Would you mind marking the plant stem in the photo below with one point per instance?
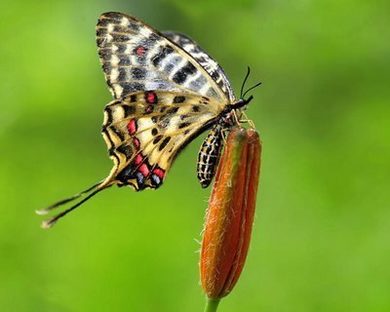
(211, 305)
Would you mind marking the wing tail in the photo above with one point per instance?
(85, 195)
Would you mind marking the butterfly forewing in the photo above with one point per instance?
(205, 60)
(135, 57)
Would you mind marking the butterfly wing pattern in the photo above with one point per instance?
(135, 57)
(166, 91)
(203, 59)
(145, 130)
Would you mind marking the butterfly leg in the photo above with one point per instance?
(246, 119)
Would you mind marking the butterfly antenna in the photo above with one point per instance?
(244, 82)
(251, 88)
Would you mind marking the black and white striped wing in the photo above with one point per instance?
(136, 57)
(205, 60)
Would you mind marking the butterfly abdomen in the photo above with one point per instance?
(209, 155)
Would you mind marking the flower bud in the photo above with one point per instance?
(230, 213)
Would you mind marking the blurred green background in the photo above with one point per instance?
(321, 240)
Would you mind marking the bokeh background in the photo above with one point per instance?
(321, 240)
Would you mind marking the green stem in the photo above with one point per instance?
(211, 305)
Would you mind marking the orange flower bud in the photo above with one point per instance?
(230, 213)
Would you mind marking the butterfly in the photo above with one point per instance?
(166, 91)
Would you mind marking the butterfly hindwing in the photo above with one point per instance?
(145, 130)
(135, 57)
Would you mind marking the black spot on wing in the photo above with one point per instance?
(172, 110)
(108, 114)
(129, 87)
(124, 61)
(118, 133)
(101, 31)
(120, 37)
(184, 125)
(182, 74)
(179, 99)
(129, 110)
(157, 139)
(121, 48)
(164, 143)
(105, 54)
(161, 54)
(125, 150)
(107, 68)
(122, 74)
(138, 73)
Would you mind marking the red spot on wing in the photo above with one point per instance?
(132, 126)
(138, 159)
(159, 172)
(144, 170)
(150, 97)
(136, 143)
(140, 50)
